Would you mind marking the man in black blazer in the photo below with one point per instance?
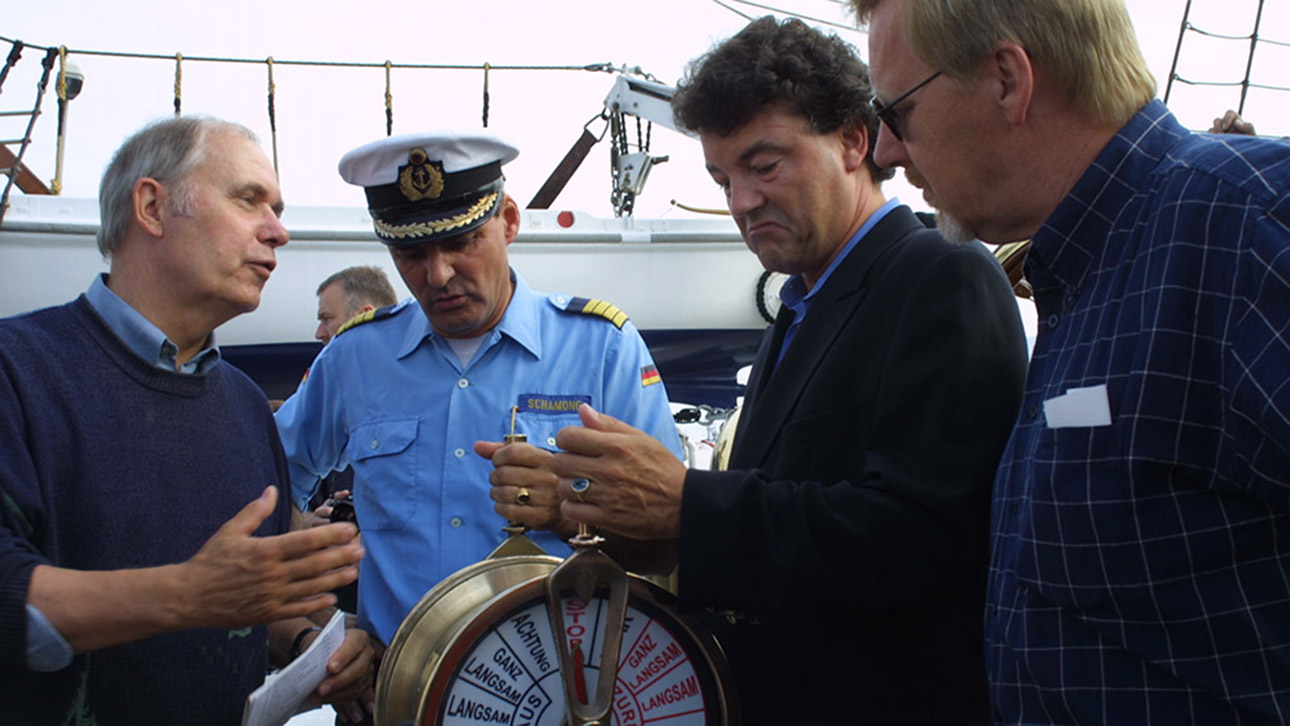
(843, 555)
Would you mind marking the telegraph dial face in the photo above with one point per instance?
(505, 669)
(501, 666)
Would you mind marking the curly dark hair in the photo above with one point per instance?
(785, 63)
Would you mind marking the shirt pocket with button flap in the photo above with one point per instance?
(541, 428)
(384, 456)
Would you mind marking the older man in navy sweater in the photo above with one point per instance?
(142, 551)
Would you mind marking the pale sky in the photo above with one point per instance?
(322, 113)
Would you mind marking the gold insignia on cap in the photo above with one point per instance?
(421, 178)
(425, 229)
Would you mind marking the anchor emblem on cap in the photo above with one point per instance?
(421, 178)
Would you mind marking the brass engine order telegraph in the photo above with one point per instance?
(529, 639)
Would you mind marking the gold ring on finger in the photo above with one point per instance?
(523, 496)
(580, 487)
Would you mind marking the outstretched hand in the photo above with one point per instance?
(238, 579)
(635, 482)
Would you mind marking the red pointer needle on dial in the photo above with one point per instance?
(579, 677)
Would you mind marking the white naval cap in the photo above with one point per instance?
(429, 186)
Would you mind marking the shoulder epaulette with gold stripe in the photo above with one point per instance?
(605, 310)
(366, 317)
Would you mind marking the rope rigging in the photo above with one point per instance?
(1245, 84)
(389, 103)
(273, 117)
(56, 186)
(178, 59)
(594, 67)
(629, 156)
(179, 79)
(16, 167)
(387, 67)
(788, 13)
(486, 67)
(14, 54)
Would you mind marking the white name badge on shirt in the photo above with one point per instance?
(1078, 408)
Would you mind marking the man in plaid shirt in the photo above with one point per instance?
(1140, 568)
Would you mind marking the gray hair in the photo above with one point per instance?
(166, 151)
(362, 285)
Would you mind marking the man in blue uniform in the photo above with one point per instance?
(404, 396)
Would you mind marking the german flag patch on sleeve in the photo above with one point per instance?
(649, 376)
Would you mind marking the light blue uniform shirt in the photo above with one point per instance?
(390, 398)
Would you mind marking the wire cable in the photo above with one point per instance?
(790, 13)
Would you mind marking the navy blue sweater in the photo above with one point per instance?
(107, 462)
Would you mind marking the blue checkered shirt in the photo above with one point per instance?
(1140, 572)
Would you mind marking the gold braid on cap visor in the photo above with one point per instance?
(439, 226)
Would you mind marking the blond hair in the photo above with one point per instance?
(1088, 46)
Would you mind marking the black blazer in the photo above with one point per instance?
(851, 532)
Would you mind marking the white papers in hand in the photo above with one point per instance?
(284, 692)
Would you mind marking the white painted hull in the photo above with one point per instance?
(680, 274)
(689, 285)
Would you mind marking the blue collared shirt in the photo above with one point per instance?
(392, 399)
(140, 335)
(793, 293)
(1140, 568)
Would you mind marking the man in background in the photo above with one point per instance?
(343, 296)
(142, 551)
(1139, 571)
(349, 293)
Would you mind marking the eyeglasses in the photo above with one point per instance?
(888, 112)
